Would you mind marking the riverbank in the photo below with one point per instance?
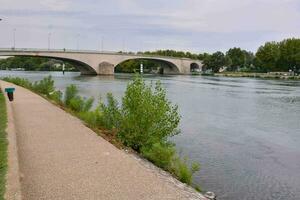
(258, 75)
(3, 145)
(105, 171)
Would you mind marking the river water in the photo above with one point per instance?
(244, 132)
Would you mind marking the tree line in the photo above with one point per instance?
(272, 56)
(34, 64)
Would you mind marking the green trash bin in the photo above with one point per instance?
(10, 93)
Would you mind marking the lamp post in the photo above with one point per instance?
(101, 44)
(77, 42)
(49, 40)
(14, 38)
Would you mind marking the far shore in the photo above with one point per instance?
(272, 75)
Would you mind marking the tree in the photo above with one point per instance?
(147, 116)
(217, 60)
(267, 57)
(237, 58)
(289, 54)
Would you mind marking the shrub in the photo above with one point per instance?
(111, 115)
(76, 102)
(160, 154)
(71, 92)
(45, 86)
(182, 170)
(92, 118)
(147, 116)
(19, 81)
(56, 96)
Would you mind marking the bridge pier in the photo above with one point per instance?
(106, 68)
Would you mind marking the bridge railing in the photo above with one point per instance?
(87, 51)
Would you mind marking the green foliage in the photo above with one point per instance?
(45, 86)
(132, 66)
(3, 145)
(161, 155)
(279, 56)
(75, 102)
(19, 81)
(215, 61)
(71, 93)
(267, 56)
(34, 64)
(111, 114)
(56, 96)
(147, 116)
(237, 57)
(183, 171)
(93, 118)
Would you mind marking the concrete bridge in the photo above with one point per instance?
(95, 62)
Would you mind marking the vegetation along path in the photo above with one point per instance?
(60, 158)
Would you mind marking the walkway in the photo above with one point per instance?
(60, 158)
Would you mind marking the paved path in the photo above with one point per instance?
(60, 158)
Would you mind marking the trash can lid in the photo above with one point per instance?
(9, 89)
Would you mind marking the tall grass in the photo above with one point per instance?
(3, 145)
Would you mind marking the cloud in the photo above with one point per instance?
(197, 25)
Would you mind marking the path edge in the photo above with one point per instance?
(13, 185)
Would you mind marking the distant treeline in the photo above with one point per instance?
(34, 64)
(272, 56)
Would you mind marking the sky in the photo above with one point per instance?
(138, 25)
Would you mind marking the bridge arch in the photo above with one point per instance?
(165, 66)
(194, 67)
(84, 68)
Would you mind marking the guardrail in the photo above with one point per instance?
(88, 51)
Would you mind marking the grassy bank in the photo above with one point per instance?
(3, 145)
(142, 122)
(257, 75)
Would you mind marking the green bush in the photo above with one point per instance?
(75, 102)
(92, 118)
(111, 115)
(147, 116)
(161, 155)
(19, 81)
(182, 170)
(45, 86)
(56, 96)
(71, 92)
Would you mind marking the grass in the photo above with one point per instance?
(3, 145)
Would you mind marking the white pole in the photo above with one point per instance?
(141, 68)
(49, 38)
(14, 38)
(77, 45)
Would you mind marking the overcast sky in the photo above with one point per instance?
(134, 25)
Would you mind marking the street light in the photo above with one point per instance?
(49, 37)
(77, 42)
(14, 38)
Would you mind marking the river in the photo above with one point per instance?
(244, 132)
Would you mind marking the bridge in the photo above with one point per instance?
(103, 63)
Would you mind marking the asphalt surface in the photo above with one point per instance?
(60, 158)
